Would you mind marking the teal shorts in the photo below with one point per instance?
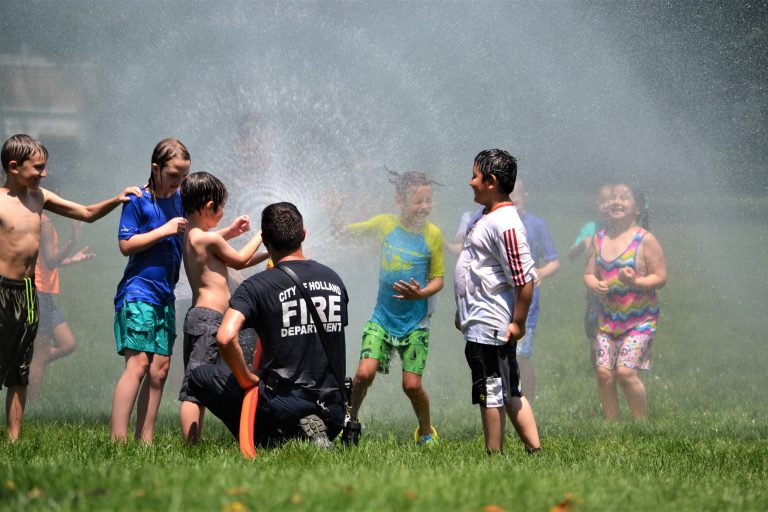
(144, 327)
(413, 348)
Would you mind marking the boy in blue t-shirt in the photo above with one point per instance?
(411, 274)
(545, 257)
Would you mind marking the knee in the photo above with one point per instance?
(412, 387)
(627, 375)
(605, 377)
(364, 377)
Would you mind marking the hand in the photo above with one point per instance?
(83, 254)
(240, 225)
(601, 288)
(251, 381)
(124, 196)
(514, 332)
(537, 279)
(176, 226)
(407, 291)
(627, 275)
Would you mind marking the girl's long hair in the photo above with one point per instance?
(165, 151)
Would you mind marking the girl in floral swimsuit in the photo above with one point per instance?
(625, 268)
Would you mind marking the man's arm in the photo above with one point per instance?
(89, 213)
(230, 351)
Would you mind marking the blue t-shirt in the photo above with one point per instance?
(542, 248)
(404, 255)
(152, 273)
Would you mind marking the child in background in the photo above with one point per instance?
(54, 337)
(411, 274)
(625, 268)
(150, 234)
(581, 247)
(22, 201)
(546, 264)
(206, 258)
(493, 288)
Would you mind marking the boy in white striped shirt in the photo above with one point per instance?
(494, 287)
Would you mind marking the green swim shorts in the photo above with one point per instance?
(145, 327)
(413, 348)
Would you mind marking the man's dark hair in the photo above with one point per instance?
(282, 227)
(198, 189)
(499, 163)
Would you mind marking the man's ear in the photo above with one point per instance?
(304, 235)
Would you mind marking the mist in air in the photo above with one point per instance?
(312, 101)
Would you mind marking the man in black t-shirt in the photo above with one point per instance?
(298, 392)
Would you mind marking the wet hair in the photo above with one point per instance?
(408, 180)
(499, 163)
(198, 189)
(642, 204)
(19, 148)
(282, 227)
(165, 151)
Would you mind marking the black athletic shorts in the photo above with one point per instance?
(495, 377)
(18, 328)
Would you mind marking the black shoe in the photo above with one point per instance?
(350, 436)
(315, 430)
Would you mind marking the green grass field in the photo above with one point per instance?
(704, 446)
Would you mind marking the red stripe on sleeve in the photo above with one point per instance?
(513, 257)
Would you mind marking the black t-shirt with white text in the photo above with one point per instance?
(277, 311)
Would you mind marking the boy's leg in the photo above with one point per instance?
(15, 401)
(65, 342)
(634, 390)
(191, 419)
(150, 394)
(364, 376)
(136, 367)
(375, 354)
(494, 423)
(521, 414)
(414, 357)
(419, 400)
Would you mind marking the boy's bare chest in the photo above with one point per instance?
(19, 217)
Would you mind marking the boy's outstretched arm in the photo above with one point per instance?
(239, 226)
(412, 290)
(237, 259)
(89, 213)
(229, 348)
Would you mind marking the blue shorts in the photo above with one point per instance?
(50, 316)
(144, 327)
(525, 344)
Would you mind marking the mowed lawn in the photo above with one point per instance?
(703, 447)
